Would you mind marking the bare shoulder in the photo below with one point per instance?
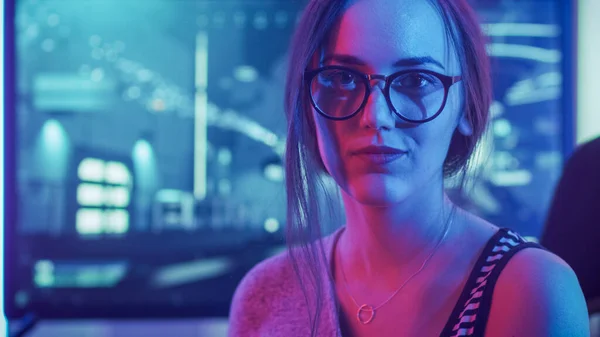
(255, 294)
(537, 294)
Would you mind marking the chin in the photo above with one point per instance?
(378, 190)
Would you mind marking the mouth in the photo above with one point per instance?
(378, 155)
(379, 158)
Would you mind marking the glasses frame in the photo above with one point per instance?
(447, 82)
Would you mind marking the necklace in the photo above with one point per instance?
(366, 312)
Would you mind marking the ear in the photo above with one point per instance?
(464, 126)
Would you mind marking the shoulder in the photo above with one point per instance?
(256, 295)
(270, 301)
(537, 294)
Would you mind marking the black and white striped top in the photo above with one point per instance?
(471, 312)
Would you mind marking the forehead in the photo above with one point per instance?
(379, 32)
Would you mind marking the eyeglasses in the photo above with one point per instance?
(416, 96)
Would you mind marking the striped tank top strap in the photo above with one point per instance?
(471, 312)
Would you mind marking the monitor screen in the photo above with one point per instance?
(148, 141)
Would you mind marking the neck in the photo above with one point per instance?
(395, 239)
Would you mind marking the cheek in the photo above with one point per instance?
(434, 137)
(455, 103)
(447, 122)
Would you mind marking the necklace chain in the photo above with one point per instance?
(369, 309)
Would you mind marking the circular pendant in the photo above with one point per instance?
(365, 314)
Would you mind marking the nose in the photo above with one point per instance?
(377, 114)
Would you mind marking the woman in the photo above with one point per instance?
(388, 98)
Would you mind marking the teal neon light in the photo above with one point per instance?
(3, 327)
(588, 86)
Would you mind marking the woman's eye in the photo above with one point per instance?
(414, 80)
(343, 77)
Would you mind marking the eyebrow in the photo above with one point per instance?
(405, 62)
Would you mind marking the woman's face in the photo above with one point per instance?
(373, 37)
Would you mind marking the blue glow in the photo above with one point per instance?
(52, 151)
(53, 134)
(2, 317)
(142, 152)
(144, 165)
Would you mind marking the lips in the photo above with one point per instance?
(377, 150)
(378, 155)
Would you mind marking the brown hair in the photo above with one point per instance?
(303, 165)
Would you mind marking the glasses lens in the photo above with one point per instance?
(417, 96)
(338, 93)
